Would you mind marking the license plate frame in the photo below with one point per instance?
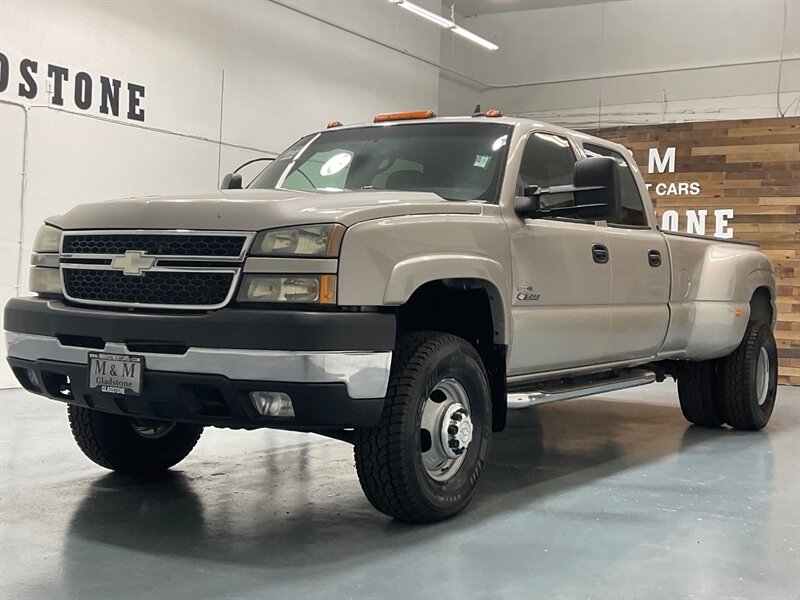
(116, 374)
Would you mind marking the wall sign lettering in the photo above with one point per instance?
(696, 219)
(72, 88)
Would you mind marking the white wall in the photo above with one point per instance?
(669, 39)
(285, 75)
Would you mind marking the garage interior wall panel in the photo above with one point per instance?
(285, 74)
(630, 62)
(750, 167)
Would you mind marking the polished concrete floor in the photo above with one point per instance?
(610, 497)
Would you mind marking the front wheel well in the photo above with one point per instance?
(463, 307)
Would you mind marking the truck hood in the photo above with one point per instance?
(251, 210)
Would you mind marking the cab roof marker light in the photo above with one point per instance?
(404, 116)
(445, 23)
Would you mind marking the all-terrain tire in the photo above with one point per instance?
(388, 457)
(748, 379)
(698, 395)
(112, 442)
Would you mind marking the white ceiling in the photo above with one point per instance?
(470, 8)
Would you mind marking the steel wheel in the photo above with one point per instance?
(762, 376)
(445, 430)
(152, 430)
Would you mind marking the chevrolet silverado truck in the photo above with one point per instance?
(399, 285)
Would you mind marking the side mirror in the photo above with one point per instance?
(598, 194)
(527, 205)
(231, 181)
(595, 188)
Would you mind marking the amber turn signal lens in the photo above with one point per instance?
(404, 116)
(327, 289)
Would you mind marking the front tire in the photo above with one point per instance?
(748, 379)
(422, 462)
(131, 446)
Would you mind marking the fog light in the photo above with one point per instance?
(272, 404)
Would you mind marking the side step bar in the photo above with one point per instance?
(562, 390)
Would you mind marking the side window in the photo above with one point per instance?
(548, 161)
(632, 212)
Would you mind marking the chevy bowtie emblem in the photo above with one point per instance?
(133, 262)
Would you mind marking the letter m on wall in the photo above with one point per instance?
(661, 163)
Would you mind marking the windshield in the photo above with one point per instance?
(457, 161)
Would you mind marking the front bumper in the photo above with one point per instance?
(201, 368)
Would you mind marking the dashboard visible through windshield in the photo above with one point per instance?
(457, 161)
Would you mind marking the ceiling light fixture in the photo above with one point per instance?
(472, 37)
(445, 23)
(424, 13)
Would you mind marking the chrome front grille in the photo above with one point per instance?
(152, 269)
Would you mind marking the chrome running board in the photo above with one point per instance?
(565, 390)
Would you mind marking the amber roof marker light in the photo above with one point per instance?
(404, 116)
(332, 124)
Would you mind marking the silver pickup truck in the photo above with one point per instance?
(397, 285)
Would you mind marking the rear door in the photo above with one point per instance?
(640, 271)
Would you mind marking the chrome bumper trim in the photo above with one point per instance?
(366, 374)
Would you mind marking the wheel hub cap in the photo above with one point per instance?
(456, 431)
(446, 429)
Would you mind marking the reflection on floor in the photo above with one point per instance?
(609, 497)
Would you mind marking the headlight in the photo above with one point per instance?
(44, 280)
(307, 240)
(48, 239)
(45, 277)
(307, 289)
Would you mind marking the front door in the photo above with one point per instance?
(561, 275)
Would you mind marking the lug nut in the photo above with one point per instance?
(452, 430)
(457, 416)
(453, 444)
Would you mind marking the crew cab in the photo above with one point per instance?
(399, 285)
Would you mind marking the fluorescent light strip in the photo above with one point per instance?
(424, 13)
(445, 23)
(466, 33)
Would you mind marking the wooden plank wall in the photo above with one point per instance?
(751, 166)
